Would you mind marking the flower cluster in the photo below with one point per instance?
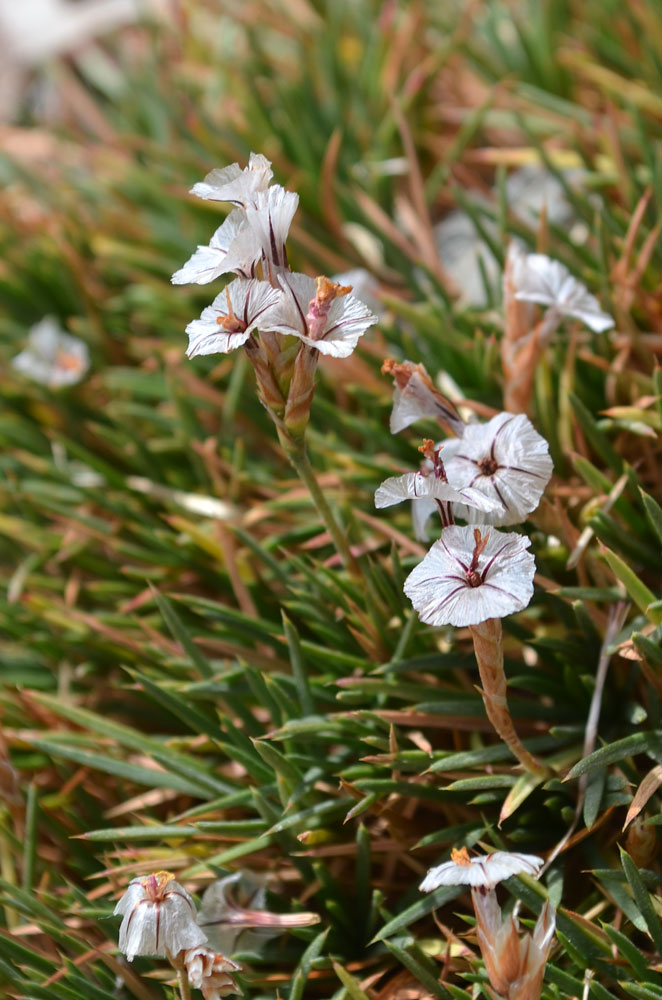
(491, 475)
(267, 301)
(159, 918)
(514, 962)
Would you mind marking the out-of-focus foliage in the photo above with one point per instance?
(198, 693)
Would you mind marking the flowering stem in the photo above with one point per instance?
(488, 646)
(301, 463)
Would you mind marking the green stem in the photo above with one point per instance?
(304, 469)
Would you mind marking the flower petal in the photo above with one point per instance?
(548, 282)
(234, 184)
(440, 590)
(523, 460)
(251, 301)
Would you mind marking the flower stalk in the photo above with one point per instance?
(296, 453)
(488, 646)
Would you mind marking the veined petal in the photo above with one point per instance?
(234, 184)
(347, 319)
(506, 460)
(444, 591)
(548, 282)
(233, 247)
(248, 303)
(269, 214)
(421, 512)
(414, 485)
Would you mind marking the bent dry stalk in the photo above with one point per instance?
(488, 646)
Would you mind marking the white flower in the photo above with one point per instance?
(549, 283)
(484, 870)
(234, 184)
(415, 396)
(52, 357)
(231, 911)
(467, 578)
(211, 972)
(233, 247)
(322, 314)
(269, 215)
(234, 916)
(507, 460)
(425, 484)
(228, 322)
(159, 917)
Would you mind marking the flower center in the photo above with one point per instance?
(460, 857)
(488, 466)
(428, 450)
(474, 577)
(231, 323)
(155, 885)
(326, 292)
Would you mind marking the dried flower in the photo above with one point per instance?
(234, 247)
(485, 870)
(415, 397)
(549, 283)
(234, 184)
(507, 460)
(158, 917)
(231, 318)
(322, 314)
(52, 358)
(211, 972)
(234, 916)
(467, 577)
(514, 962)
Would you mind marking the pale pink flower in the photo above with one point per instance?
(159, 917)
(228, 322)
(467, 577)
(234, 184)
(507, 460)
(540, 279)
